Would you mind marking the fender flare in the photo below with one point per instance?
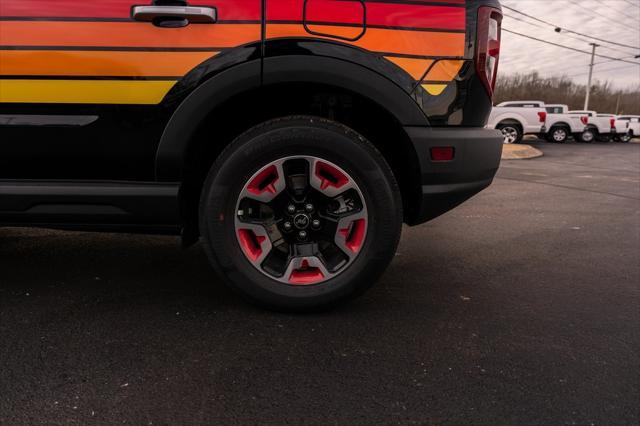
(347, 75)
(510, 117)
(172, 149)
(179, 131)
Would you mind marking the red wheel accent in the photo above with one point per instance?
(354, 235)
(330, 176)
(265, 181)
(251, 243)
(306, 275)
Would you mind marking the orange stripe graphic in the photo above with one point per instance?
(130, 34)
(414, 67)
(86, 63)
(423, 43)
(445, 70)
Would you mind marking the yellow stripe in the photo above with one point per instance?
(434, 89)
(84, 91)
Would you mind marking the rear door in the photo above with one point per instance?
(87, 86)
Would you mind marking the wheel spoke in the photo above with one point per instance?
(254, 241)
(266, 184)
(351, 232)
(306, 270)
(328, 179)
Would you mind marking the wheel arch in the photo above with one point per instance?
(512, 121)
(593, 128)
(230, 103)
(243, 79)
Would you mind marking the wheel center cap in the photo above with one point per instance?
(301, 221)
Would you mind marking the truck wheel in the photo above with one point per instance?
(625, 138)
(300, 213)
(587, 136)
(559, 134)
(510, 132)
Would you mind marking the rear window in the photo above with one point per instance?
(554, 110)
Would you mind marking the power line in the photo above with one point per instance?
(569, 31)
(635, 18)
(604, 62)
(568, 47)
(567, 35)
(631, 3)
(602, 70)
(594, 14)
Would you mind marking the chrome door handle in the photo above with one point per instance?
(193, 14)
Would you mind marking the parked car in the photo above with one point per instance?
(633, 127)
(518, 118)
(292, 140)
(561, 124)
(597, 127)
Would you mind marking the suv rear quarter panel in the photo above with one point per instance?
(429, 43)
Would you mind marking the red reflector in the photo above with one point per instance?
(613, 122)
(442, 153)
(584, 119)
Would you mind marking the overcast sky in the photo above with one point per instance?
(612, 20)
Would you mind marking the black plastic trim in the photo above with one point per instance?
(99, 203)
(445, 185)
(349, 76)
(184, 122)
(46, 120)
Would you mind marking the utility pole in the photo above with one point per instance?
(593, 56)
(618, 102)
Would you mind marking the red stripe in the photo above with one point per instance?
(378, 14)
(227, 9)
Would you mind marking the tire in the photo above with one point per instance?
(512, 133)
(258, 263)
(626, 138)
(558, 134)
(588, 136)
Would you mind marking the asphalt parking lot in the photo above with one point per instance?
(522, 306)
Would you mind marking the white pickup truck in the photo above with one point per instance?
(599, 126)
(518, 118)
(562, 124)
(633, 127)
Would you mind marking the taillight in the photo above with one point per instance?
(612, 122)
(542, 116)
(584, 119)
(488, 46)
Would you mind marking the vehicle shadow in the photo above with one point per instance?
(129, 270)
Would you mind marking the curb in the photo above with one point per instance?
(520, 152)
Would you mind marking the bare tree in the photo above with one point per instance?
(561, 90)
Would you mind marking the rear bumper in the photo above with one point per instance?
(445, 185)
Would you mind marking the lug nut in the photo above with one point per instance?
(315, 223)
(291, 208)
(309, 207)
(302, 235)
(287, 226)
